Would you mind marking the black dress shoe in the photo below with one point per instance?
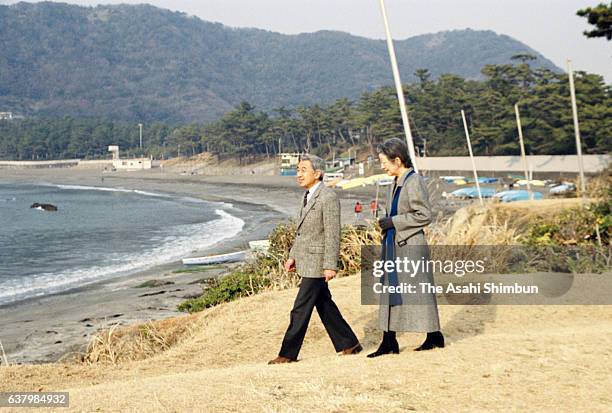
(433, 340)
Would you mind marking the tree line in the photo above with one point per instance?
(434, 111)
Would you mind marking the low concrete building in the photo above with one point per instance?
(133, 164)
(289, 160)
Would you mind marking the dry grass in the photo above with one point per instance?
(136, 342)
(496, 223)
(547, 355)
(281, 240)
(353, 239)
(471, 234)
(490, 232)
(3, 359)
(600, 186)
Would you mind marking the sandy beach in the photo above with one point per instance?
(56, 326)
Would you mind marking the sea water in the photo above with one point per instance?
(98, 233)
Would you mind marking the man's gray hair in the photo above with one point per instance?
(318, 164)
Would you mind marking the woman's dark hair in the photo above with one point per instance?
(395, 148)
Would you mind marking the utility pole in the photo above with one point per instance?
(140, 127)
(576, 128)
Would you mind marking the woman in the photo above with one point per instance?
(408, 212)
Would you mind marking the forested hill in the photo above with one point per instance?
(141, 63)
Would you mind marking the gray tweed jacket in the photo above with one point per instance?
(317, 238)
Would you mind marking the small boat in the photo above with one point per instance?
(520, 195)
(216, 259)
(563, 188)
(260, 245)
(533, 182)
(472, 192)
(483, 180)
(451, 178)
(501, 194)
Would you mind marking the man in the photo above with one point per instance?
(314, 255)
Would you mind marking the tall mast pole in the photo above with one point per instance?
(398, 87)
(467, 135)
(522, 144)
(576, 127)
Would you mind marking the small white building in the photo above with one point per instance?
(134, 164)
(6, 115)
(289, 160)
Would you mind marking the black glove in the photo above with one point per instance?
(385, 223)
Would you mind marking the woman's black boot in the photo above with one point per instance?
(433, 340)
(389, 345)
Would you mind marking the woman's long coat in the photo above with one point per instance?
(418, 312)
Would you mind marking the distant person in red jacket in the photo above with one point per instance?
(374, 208)
(358, 209)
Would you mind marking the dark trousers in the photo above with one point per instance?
(314, 292)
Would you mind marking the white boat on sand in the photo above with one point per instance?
(260, 245)
(216, 259)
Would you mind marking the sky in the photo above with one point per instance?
(549, 26)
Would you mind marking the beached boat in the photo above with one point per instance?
(519, 195)
(353, 183)
(451, 178)
(216, 259)
(260, 245)
(533, 182)
(362, 181)
(483, 180)
(563, 188)
(472, 192)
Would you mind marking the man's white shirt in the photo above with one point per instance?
(311, 191)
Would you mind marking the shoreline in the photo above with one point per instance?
(46, 328)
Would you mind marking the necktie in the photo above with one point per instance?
(306, 197)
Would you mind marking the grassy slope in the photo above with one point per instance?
(514, 358)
